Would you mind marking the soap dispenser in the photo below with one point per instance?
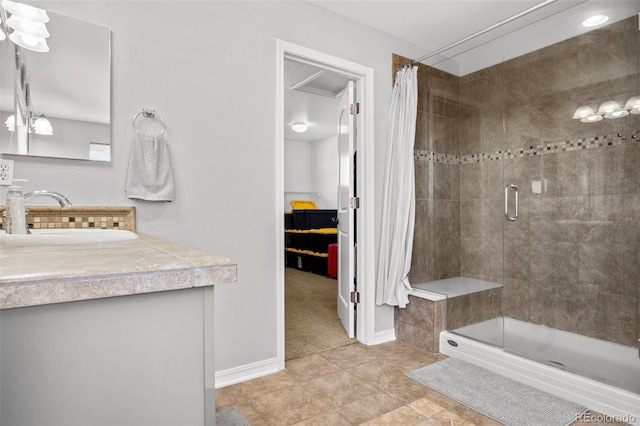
(16, 214)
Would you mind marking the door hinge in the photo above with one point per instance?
(355, 297)
(354, 202)
(354, 109)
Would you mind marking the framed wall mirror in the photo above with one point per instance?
(70, 85)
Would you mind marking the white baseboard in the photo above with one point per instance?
(245, 372)
(384, 336)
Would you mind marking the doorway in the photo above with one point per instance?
(363, 271)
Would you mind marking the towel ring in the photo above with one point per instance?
(149, 113)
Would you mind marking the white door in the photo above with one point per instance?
(346, 219)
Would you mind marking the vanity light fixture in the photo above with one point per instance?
(586, 114)
(299, 127)
(608, 109)
(11, 123)
(633, 105)
(583, 112)
(28, 25)
(42, 126)
(595, 20)
(25, 11)
(611, 109)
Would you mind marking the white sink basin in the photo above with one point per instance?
(41, 237)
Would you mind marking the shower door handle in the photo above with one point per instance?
(506, 202)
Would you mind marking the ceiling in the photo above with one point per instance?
(311, 96)
(434, 24)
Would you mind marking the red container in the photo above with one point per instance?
(332, 261)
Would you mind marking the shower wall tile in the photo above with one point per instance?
(440, 92)
(422, 170)
(482, 257)
(443, 134)
(445, 258)
(492, 135)
(422, 139)
(611, 219)
(422, 243)
(470, 123)
(446, 218)
(622, 169)
(609, 268)
(516, 258)
(473, 308)
(522, 124)
(556, 306)
(553, 264)
(599, 62)
(481, 180)
(556, 219)
(446, 181)
(516, 300)
(481, 218)
(420, 323)
(553, 66)
(564, 176)
(613, 318)
(516, 82)
(483, 89)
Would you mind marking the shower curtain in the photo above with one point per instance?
(398, 203)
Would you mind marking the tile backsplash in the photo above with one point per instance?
(82, 217)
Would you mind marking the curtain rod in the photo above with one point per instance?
(479, 33)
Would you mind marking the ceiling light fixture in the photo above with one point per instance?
(299, 127)
(595, 20)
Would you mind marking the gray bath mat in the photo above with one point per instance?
(231, 417)
(503, 399)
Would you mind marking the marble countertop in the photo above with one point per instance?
(31, 276)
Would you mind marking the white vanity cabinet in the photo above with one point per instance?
(108, 334)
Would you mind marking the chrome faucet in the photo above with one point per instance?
(61, 199)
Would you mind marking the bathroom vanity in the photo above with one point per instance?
(108, 333)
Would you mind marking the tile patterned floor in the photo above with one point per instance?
(351, 385)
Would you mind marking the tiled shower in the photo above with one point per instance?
(572, 259)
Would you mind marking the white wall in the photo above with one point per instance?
(297, 172)
(311, 172)
(324, 172)
(209, 69)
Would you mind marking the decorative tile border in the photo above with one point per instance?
(542, 149)
(43, 217)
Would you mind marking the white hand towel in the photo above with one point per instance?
(149, 175)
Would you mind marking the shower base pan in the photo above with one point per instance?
(559, 355)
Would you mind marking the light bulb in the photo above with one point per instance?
(608, 107)
(582, 112)
(30, 40)
(299, 127)
(595, 20)
(592, 118)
